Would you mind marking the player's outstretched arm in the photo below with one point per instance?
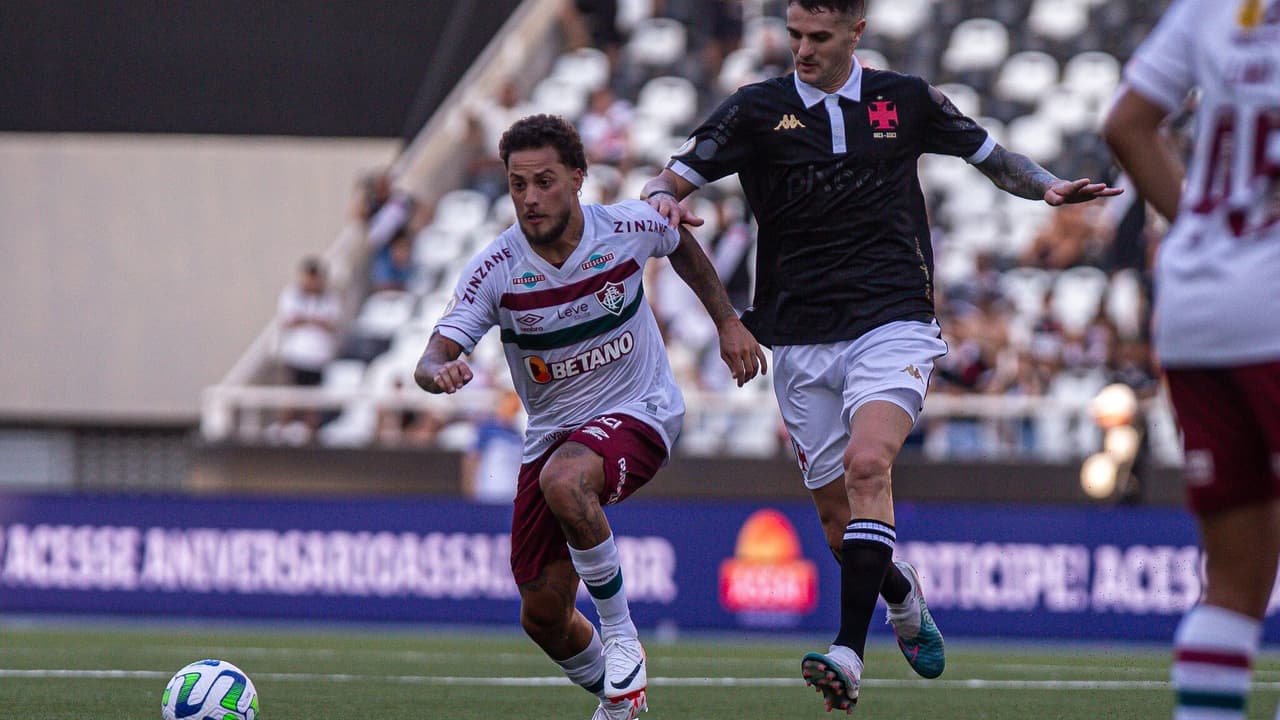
(439, 369)
(738, 347)
(1132, 129)
(1020, 175)
(664, 193)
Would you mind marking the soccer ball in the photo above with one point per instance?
(210, 690)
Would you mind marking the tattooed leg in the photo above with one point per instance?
(571, 483)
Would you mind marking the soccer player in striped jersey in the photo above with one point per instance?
(564, 285)
(1217, 313)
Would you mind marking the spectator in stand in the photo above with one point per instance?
(308, 317)
(605, 128)
(491, 469)
(392, 266)
(1071, 237)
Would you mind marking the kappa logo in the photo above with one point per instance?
(612, 297)
(529, 319)
(913, 372)
(788, 122)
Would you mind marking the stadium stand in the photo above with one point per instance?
(1032, 302)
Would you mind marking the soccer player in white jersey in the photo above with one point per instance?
(564, 286)
(1217, 313)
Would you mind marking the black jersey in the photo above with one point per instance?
(843, 244)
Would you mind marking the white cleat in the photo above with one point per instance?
(625, 672)
(621, 709)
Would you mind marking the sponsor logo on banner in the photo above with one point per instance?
(768, 581)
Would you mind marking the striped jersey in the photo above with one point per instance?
(1217, 286)
(580, 339)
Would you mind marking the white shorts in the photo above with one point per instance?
(820, 387)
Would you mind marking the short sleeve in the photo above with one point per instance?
(473, 309)
(948, 131)
(661, 237)
(720, 146)
(1161, 69)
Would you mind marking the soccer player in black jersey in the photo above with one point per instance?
(844, 289)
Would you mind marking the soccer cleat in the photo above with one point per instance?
(922, 648)
(621, 709)
(839, 686)
(625, 675)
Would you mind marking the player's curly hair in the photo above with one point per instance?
(857, 9)
(539, 131)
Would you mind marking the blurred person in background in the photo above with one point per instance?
(307, 317)
(491, 469)
(827, 156)
(585, 355)
(392, 266)
(1217, 313)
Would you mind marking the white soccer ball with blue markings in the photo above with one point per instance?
(210, 690)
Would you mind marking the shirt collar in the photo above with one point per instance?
(851, 90)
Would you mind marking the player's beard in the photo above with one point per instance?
(550, 234)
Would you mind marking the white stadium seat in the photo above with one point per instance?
(1026, 76)
(976, 44)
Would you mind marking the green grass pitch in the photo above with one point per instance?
(78, 671)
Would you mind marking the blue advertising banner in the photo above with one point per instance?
(994, 571)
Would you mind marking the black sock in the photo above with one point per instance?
(868, 554)
(896, 586)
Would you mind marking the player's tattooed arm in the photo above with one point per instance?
(738, 347)
(1017, 174)
(695, 269)
(439, 370)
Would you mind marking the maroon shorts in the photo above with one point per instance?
(632, 453)
(1230, 420)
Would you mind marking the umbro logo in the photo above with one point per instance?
(529, 320)
(913, 372)
(788, 122)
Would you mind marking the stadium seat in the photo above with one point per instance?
(559, 96)
(343, 374)
(586, 67)
(670, 100)
(1077, 293)
(384, 312)
(1036, 137)
(1070, 112)
(1058, 19)
(740, 67)
(1026, 76)
(657, 43)
(1094, 75)
(900, 19)
(631, 13)
(1125, 303)
(461, 210)
(976, 44)
(873, 59)
(762, 32)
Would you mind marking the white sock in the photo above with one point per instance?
(587, 667)
(1213, 663)
(599, 569)
(905, 616)
(846, 658)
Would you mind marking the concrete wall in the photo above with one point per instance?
(136, 269)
